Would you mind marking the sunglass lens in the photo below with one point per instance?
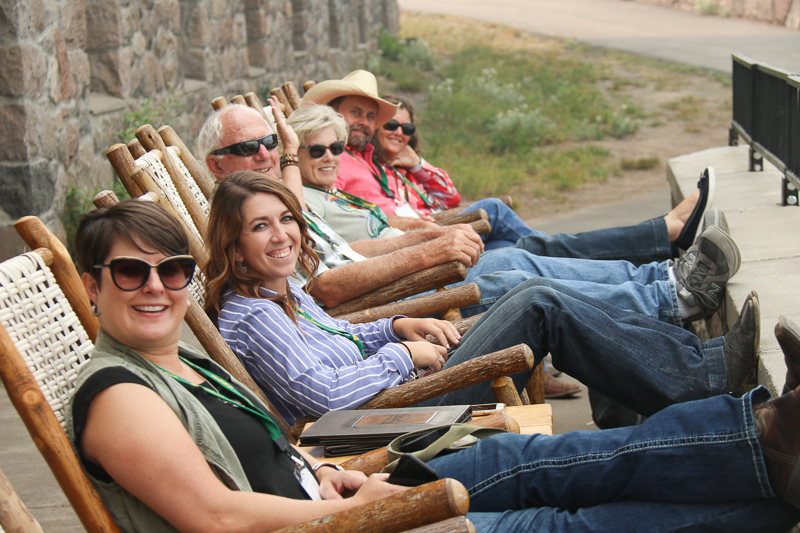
(176, 273)
(270, 141)
(129, 274)
(391, 125)
(316, 151)
(409, 128)
(337, 148)
(248, 148)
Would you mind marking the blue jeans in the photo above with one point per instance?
(693, 466)
(645, 289)
(642, 363)
(639, 244)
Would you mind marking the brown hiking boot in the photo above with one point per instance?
(788, 335)
(778, 429)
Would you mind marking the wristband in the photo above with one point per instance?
(289, 160)
(407, 350)
(320, 465)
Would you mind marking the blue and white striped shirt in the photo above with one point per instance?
(306, 370)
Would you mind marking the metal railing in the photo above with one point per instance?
(766, 114)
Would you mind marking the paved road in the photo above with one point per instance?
(653, 31)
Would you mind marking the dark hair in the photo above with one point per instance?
(141, 222)
(409, 106)
(224, 227)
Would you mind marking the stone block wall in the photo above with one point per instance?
(781, 12)
(73, 72)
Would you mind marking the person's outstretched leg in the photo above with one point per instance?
(507, 227)
(701, 452)
(640, 362)
(640, 244)
(742, 516)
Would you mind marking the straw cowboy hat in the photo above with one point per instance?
(357, 83)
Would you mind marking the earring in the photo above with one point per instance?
(95, 310)
(242, 266)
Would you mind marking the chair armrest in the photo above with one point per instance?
(459, 524)
(505, 362)
(463, 218)
(453, 298)
(419, 506)
(481, 227)
(424, 280)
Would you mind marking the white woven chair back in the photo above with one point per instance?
(152, 161)
(43, 326)
(168, 191)
(204, 204)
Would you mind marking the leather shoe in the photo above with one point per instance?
(788, 335)
(778, 428)
(554, 388)
(741, 350)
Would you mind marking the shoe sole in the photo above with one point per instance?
(715, 217)
(751, 382)
(704, 204)
(722, 240)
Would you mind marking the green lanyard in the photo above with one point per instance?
(346, 335)
(425, 199)
(356, 201)
(244, 403)
(382, 179)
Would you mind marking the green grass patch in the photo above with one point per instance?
(642, 163)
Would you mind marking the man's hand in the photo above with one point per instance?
(415, 329)
(288, 137)
(459, 244)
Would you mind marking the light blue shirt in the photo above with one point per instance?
(303, 369)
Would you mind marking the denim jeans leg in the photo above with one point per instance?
(645, 289)
(700, 452)
(772, 515)
(642, 363)
(507, 227)
(643, 243)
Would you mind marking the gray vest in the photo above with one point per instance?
(129, 512)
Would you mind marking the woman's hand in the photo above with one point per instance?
(335, 484)
(406, 158)
(427, 355)
(415, 329)
(376, 488)
(289, 139)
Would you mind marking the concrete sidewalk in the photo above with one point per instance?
(651, 31)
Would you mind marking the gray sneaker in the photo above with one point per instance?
(715, 217)
(703, 271)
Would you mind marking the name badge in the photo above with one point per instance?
(306, 478)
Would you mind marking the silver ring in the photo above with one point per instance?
(441, 360)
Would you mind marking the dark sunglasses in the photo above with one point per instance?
(130, 273)
(408, 128)
(251, 147)
(318, 150)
